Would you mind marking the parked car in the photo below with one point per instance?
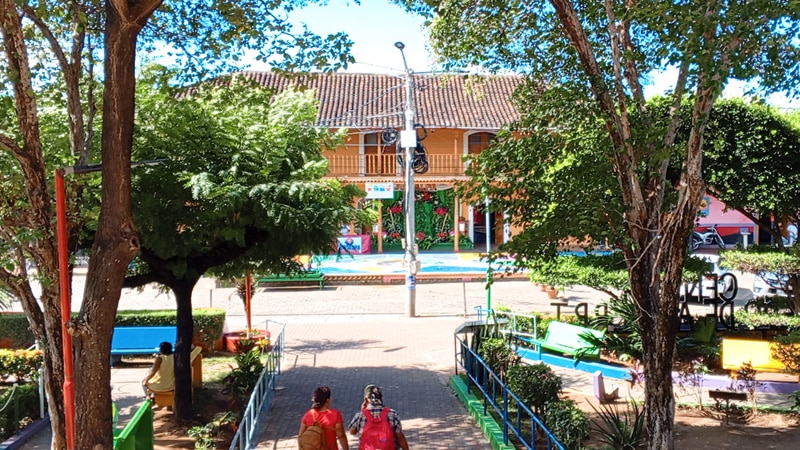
(769, 284)
(726, 283)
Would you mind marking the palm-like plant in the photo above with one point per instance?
(620, 320)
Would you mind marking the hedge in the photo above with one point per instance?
(21, 410)
(208, 325)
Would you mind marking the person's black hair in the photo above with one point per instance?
(320, 396)
(165, 348)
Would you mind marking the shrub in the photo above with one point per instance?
(22, 364)
(536, 385)
(207, 323)
(499, 356)
(22, 409)
(243, 378)
(621, 430)
(570, 425)
(14, 331)
(787, 350)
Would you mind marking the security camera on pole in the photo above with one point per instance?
(408, 140)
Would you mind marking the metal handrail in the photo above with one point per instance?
(481, 375)
(245, 437)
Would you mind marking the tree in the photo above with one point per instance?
(239, 189)
(64, 39)
(586, 65)
(750, 162)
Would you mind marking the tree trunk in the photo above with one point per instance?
(183, 409)
(116, 241)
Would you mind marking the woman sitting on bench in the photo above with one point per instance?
(162, 375)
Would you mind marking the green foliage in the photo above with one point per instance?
(604, 272)
(750, 159)
(207, 323)
(205, 436)
(623, 335)
(785, 265)
(752, 320)
(15, 331)
(241, 185)
(536, 385)
(22, 409)
(787, 351)
(22, 364)
(499, 356)
(623, 430)
(570, 425)
(243, 378)
(703, 340)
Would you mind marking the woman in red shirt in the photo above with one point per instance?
(328, 418)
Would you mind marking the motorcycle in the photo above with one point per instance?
(708, 237)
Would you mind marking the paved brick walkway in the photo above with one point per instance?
(411, 359)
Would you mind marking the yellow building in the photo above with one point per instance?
(454, 116)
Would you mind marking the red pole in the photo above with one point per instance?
(247, 295)
(66, 308)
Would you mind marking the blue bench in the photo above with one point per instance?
(140, 340)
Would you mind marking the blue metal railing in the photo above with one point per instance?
(515, 415)
(246, 437)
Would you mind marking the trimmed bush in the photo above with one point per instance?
(21, 410)
(208, 323)
(570, 425)
(498, 355)
(14, 331)
(536, 385)
(22, 364)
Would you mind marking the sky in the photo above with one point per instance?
(375, 25)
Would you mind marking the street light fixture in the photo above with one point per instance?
(64, 288)
(408, 140)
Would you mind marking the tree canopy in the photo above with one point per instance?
(587, 64)
(80, 58)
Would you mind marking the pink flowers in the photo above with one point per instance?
(443, 235)
(440, 211)
(396, 209)
(395, 235)
(420, 236)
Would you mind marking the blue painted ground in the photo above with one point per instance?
(392, 263)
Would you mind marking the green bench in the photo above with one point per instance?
(138, 432)
(305, 276)
(567, 339)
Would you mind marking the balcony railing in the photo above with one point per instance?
(386, 165)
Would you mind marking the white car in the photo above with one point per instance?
(768, 284)
(726, 283)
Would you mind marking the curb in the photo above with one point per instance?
(490, 428)
(17, 441)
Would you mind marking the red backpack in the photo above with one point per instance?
(377, 433)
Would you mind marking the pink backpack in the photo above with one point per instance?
(377, 433)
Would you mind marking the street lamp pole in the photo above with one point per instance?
(65, 291)
(408, 140)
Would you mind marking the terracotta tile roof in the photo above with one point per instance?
(366, 100)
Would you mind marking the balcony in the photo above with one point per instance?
(386, 165)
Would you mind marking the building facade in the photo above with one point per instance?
(454, 116)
